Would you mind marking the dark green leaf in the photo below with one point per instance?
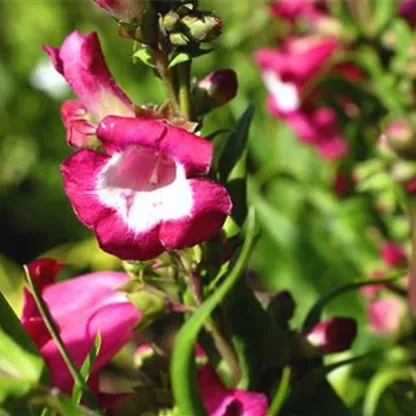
(235, 144)
(183, 372)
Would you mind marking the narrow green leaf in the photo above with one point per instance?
(379, 384)
(179, 58)
(315, 312)
(281, 393)
(86, 369)
(183, 371)
(144, 54)
(235, 144)
(384, 12)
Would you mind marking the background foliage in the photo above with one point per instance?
(312, 240)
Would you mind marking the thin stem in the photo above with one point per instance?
(184, 81)
(412, 283)
(53, 331)
(162, 66)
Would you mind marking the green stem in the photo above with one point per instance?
(412, 283)
(281, 393)
(162, 66)
(53, 331)
(184, 81)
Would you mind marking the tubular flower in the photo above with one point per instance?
(123, 10)
(141, 195)
(292, 10)
(222, 402)
(81, 308)
(288, 74)
(81, 62)
(386, 314)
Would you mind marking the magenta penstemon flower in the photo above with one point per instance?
(288, 73)
(81, 308)
(81, 62)
(292, 10)
(222, 402)
(123, 10)
(142, 195)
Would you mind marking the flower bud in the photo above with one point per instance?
(393, 255)
(401, 139)
(170, 21)
(333, 335)
(215, 90)
(402, 171)
(281, 308)
(178, 39)
(202, 27)
(123, 10)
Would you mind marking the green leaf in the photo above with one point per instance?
(236, 144)
(144, 54)
(379, 384)
(384, 12)
(86, 369)
(20, 370)
(179, 58)
(183, 372)
(314, 315)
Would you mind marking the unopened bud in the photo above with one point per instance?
(402, 171)
(281, 308)
(123, 10)
(333, 335)
(178, 39)
(393, 255)
(170, 21)
(401, 139)
(202, 27)
(216, 89)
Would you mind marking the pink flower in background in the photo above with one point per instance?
(292, 10)
(81, 308)
(407, 9)
(385, 314)
(222, 402)
(393, 255)
(124, 10)
(288, 74)
(142, 196)
(333, 335)
(81, 62)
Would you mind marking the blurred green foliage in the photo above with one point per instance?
(311, 239)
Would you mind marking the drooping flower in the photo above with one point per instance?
(129, 11)
(393, 255)
(222, 402)
(333, 335)
(142, 196)
(292, 10)
(289, 74)
(81, 308)
(81, 62)
(386, 314)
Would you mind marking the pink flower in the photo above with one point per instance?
(288, 73)
(141, 195)
(81, 308)
(293, 10)
(222, 402)
(385, 314)
(81, 62)
(393, 255)
(407, 9)
(125, 10)
(333, 335)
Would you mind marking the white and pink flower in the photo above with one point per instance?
(142, 194)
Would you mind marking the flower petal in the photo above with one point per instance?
(81, 62)
(79, 173)
(211, 205)
(191, 151)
